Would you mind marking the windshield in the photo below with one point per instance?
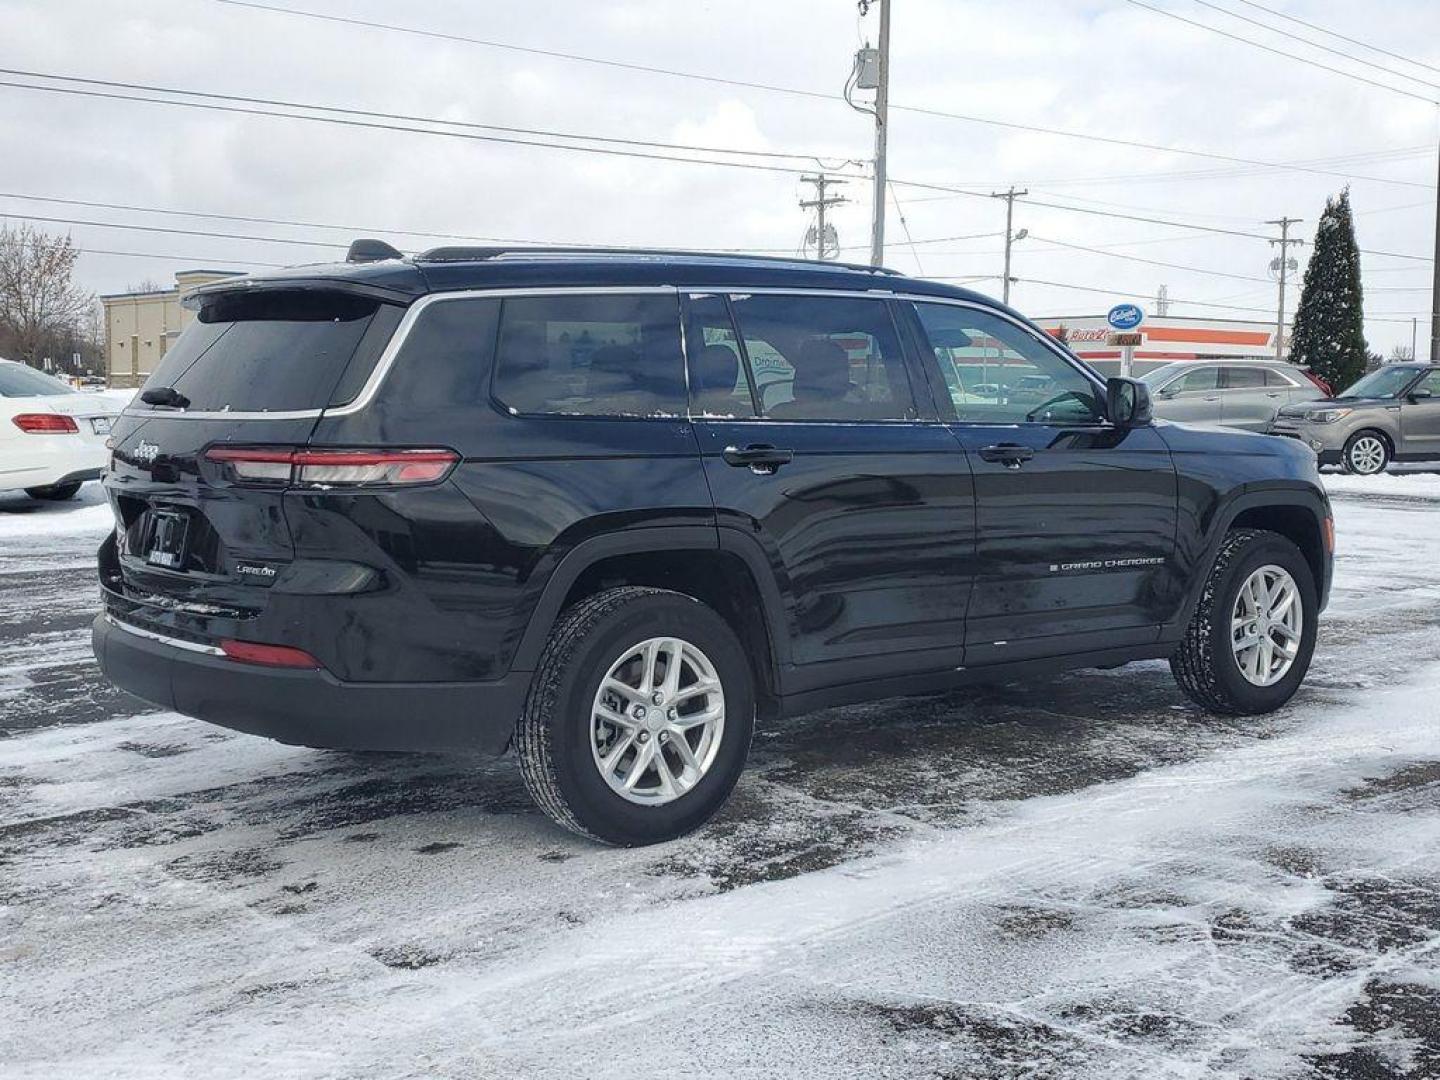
(17, 380)
(1384, 383)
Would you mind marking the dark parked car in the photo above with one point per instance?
(614, 508)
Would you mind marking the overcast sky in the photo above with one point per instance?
(1097, 67)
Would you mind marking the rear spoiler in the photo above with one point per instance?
(245, 285)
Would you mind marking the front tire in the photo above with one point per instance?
(54, 492)
(1250, 642)
(639, 717)
(1366, 453)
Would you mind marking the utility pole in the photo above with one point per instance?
(820, 204)
(1010, 235)
(1435, 290)
(1284, 264)
(882, 105)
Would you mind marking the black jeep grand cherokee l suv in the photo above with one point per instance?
(611, 507)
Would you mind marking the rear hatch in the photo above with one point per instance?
(193, 552)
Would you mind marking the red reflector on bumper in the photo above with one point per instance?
(250, 652)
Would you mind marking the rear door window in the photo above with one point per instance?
(824, 357)
(611, 354)
(1243, 378)
(269, 351)
(1280, 379)
(1205, 378)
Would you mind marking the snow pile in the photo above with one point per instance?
(1391, 485)
(87, 513)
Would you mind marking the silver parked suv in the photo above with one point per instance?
(1392, 414)
(1235, 393)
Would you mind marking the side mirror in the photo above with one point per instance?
(1127, 403)
(1419, 394)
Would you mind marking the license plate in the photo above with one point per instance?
(102, 424)
(166, 539)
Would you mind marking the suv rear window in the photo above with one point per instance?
(270, 351)
(611, 354)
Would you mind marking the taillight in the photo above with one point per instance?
(46, 423)
(332, 468)
(1319, 382)
(252, 652)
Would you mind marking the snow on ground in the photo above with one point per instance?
(1077, 877)
(1405, 485)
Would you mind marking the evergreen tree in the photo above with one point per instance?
(1329, 334)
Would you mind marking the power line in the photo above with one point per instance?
(1280, 52)
(1317, 45)
(192, 259)
(353, 230)
(376, 125)
(1389, 316)
(291, 223)
(1342, 37)
(171, 232)
(1148, 262)
(1148, 220)
(779, 89)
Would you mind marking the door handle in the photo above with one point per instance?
(1011, 455)
(760, 458)
(1276, 394)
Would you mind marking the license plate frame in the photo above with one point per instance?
(102, 425)
(167, 539)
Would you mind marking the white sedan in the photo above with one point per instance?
(52, 438)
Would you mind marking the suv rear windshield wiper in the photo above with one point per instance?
(165, 395)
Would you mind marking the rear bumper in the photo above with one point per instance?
(309, 708)
(80, 462)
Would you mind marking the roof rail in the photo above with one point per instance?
(478, 254)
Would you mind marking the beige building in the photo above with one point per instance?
(141, 326)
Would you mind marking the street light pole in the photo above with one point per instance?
(1435, 290)
(882, 103)
(1010, 237)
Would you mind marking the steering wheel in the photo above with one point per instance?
(1031, 416)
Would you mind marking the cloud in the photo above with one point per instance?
(1098, 66)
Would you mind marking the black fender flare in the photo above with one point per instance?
(640, 540)
(1250, 497)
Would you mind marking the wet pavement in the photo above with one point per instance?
(1080, 876)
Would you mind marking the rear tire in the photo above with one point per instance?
(1366, 453)
(564, 739)
(54, 492)
(1208, 663)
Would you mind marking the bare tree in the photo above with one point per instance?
(39, 300)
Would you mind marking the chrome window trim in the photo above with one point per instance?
(177, 643)
(412, 314)
(392, 349)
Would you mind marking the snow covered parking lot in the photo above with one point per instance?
(1079, 877)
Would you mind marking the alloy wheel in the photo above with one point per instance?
(1266, 624)
(657, 721)
(1367, 455)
